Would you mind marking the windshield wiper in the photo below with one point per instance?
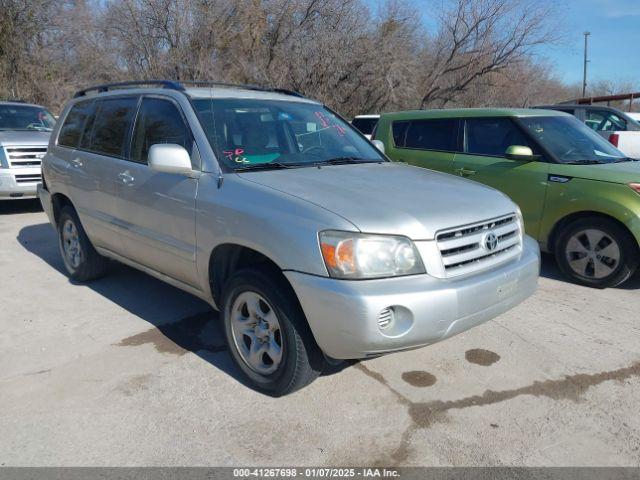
(265, 166)
(584, 162)
(345, 161)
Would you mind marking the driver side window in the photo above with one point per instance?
(492, 136)
(159, 121)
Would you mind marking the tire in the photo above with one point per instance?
(596, 252)
(81, 260)
(261, 313)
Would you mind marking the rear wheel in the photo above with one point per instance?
(267, 333)
(596, 252)
(81, 260)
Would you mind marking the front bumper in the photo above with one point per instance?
(12, 187)
(343, 315)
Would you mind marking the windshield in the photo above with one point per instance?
(23, 117)
(570, 140)
(250, 134)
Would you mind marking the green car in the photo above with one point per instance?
(579, 195)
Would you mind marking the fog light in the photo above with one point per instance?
(385, 318)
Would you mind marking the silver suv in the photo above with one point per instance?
(269, 206)
(24, 136)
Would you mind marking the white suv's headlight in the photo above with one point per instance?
(356, 255)
(520, 220)
(4, 163)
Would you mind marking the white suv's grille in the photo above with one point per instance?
(470, 248)
(25, 156)
(34, 178)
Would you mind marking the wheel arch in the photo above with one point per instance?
(58, 202)
(227, 258)
(567, 219)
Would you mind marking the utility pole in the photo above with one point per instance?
(586, 61)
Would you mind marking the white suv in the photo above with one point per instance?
(24, 136)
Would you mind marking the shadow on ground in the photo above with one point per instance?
(180, 322)
(12, 207)
(550, 270)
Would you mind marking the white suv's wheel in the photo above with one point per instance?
(81, 260)
(267, 333)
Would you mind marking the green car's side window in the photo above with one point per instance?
(492, 136)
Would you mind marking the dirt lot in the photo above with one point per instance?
(130, 371)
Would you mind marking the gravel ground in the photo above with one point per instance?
(128, 371)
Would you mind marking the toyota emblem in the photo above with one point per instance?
(490, 241)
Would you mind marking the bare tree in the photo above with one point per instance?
(354, 58)
(478, 37)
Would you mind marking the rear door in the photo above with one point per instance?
(483, 160)
(158, 209)
(95, 188)
(428, 143)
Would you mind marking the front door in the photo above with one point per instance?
(483, 160)
(158, 209)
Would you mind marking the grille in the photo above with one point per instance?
(25, 156)
(385, 317)
(33, 178)
(475, 247)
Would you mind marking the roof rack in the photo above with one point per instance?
(174, 85)
(208, 83)
(105, 87)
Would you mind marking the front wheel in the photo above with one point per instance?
(596, 252)
(267, 333)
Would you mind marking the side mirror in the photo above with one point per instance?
(169, 158)
(520, 152)
(378, 144)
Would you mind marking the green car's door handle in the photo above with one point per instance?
(464, 172)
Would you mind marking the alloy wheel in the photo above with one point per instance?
(592, 253)
(71, 244)
(256, 333)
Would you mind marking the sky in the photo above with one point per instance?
(614, 44)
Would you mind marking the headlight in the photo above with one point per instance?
(355, 255)
(4, 163)
(520, 220)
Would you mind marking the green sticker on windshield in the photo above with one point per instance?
(255, 159)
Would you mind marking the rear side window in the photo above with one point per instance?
(111, 126)
(437, 134)
(73, 125)
(159, 121)
(399, 131)
(492, 136)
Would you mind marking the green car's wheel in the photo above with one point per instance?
(596, 252)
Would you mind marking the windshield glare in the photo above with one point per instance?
(570, 140)
(19, 117)
(245, 133)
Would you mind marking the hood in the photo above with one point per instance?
(623, 172)
(24, 138)
(390, 198)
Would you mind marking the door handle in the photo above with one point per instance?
(76, 162)
(126, 178)
(464, 172)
